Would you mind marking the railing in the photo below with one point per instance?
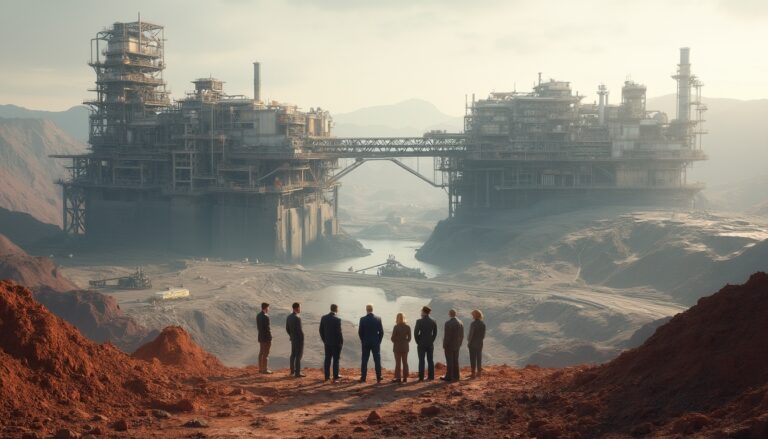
(129, 77)
(427, 146)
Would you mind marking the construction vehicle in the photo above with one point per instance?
(135, 281)
(393, 268)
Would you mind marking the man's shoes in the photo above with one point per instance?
(379, 379)
(421, 379)
(396, 380)
(362, 380)
(335, 381)
(338, 377)
(444, 378)
(267, 372)
(472, 376)
(326, 379)
(405, 380)
(299, 375)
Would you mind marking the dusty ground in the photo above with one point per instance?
(242, 403)
(220, 315)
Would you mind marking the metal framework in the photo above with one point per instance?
(386, 147)
(74, 209)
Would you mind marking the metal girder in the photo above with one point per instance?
(386, 147)
(74, 210)
(358, 162)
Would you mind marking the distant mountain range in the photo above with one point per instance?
(27, 173)
(73, 121)
(413, 117)
(737, 139)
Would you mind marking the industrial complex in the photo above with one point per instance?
(525, 147)
(235, 176)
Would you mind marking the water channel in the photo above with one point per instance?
(352, 299)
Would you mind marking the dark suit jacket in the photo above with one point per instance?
(476, 334)
(293, 328)
(330, 330)
(371, 331)
(453, 335)
(425, 332)
(262, 325)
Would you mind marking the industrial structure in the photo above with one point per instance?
(234, 176)
(523, 148)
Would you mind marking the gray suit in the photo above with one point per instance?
(475, 345)
(296, 334)
(453, 337)
(265, 340)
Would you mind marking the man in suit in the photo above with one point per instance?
(265, 338)
(371, 333)
(453, 336)
(425, 333)
(330, 333)
(296, 334)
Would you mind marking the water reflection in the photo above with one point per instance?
(352, 301)
(403, 250)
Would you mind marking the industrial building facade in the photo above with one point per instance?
(523, 148)
(233, 176)
(207, 174)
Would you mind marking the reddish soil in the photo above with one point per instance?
(52, 376)
(174, 347)
(700, 360)
(701, 375)
(32, 271)
(96, 315)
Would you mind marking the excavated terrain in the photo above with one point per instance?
(96, 315)
(702, 374)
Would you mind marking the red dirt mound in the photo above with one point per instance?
(698, 361)
(174, 347)
(97, 316)
(47, 366)
(34, 272)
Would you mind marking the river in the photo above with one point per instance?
(352, 299)
(403, 250)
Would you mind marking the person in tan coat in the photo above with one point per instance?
(401, 337)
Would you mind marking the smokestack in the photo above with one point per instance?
(602, 92)
(684, 86)
(256, 82)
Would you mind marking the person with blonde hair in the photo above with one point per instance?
(401, 337)
(475, 343)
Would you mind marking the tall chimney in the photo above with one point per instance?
(256, 82)
(684, 85)
(602, 92)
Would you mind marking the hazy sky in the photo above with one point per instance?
(343, 55)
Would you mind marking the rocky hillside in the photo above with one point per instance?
(27, 174)
(96, 315)
(54, 380)
(682, 254)
(37, 272)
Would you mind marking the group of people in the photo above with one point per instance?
(371, 334)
